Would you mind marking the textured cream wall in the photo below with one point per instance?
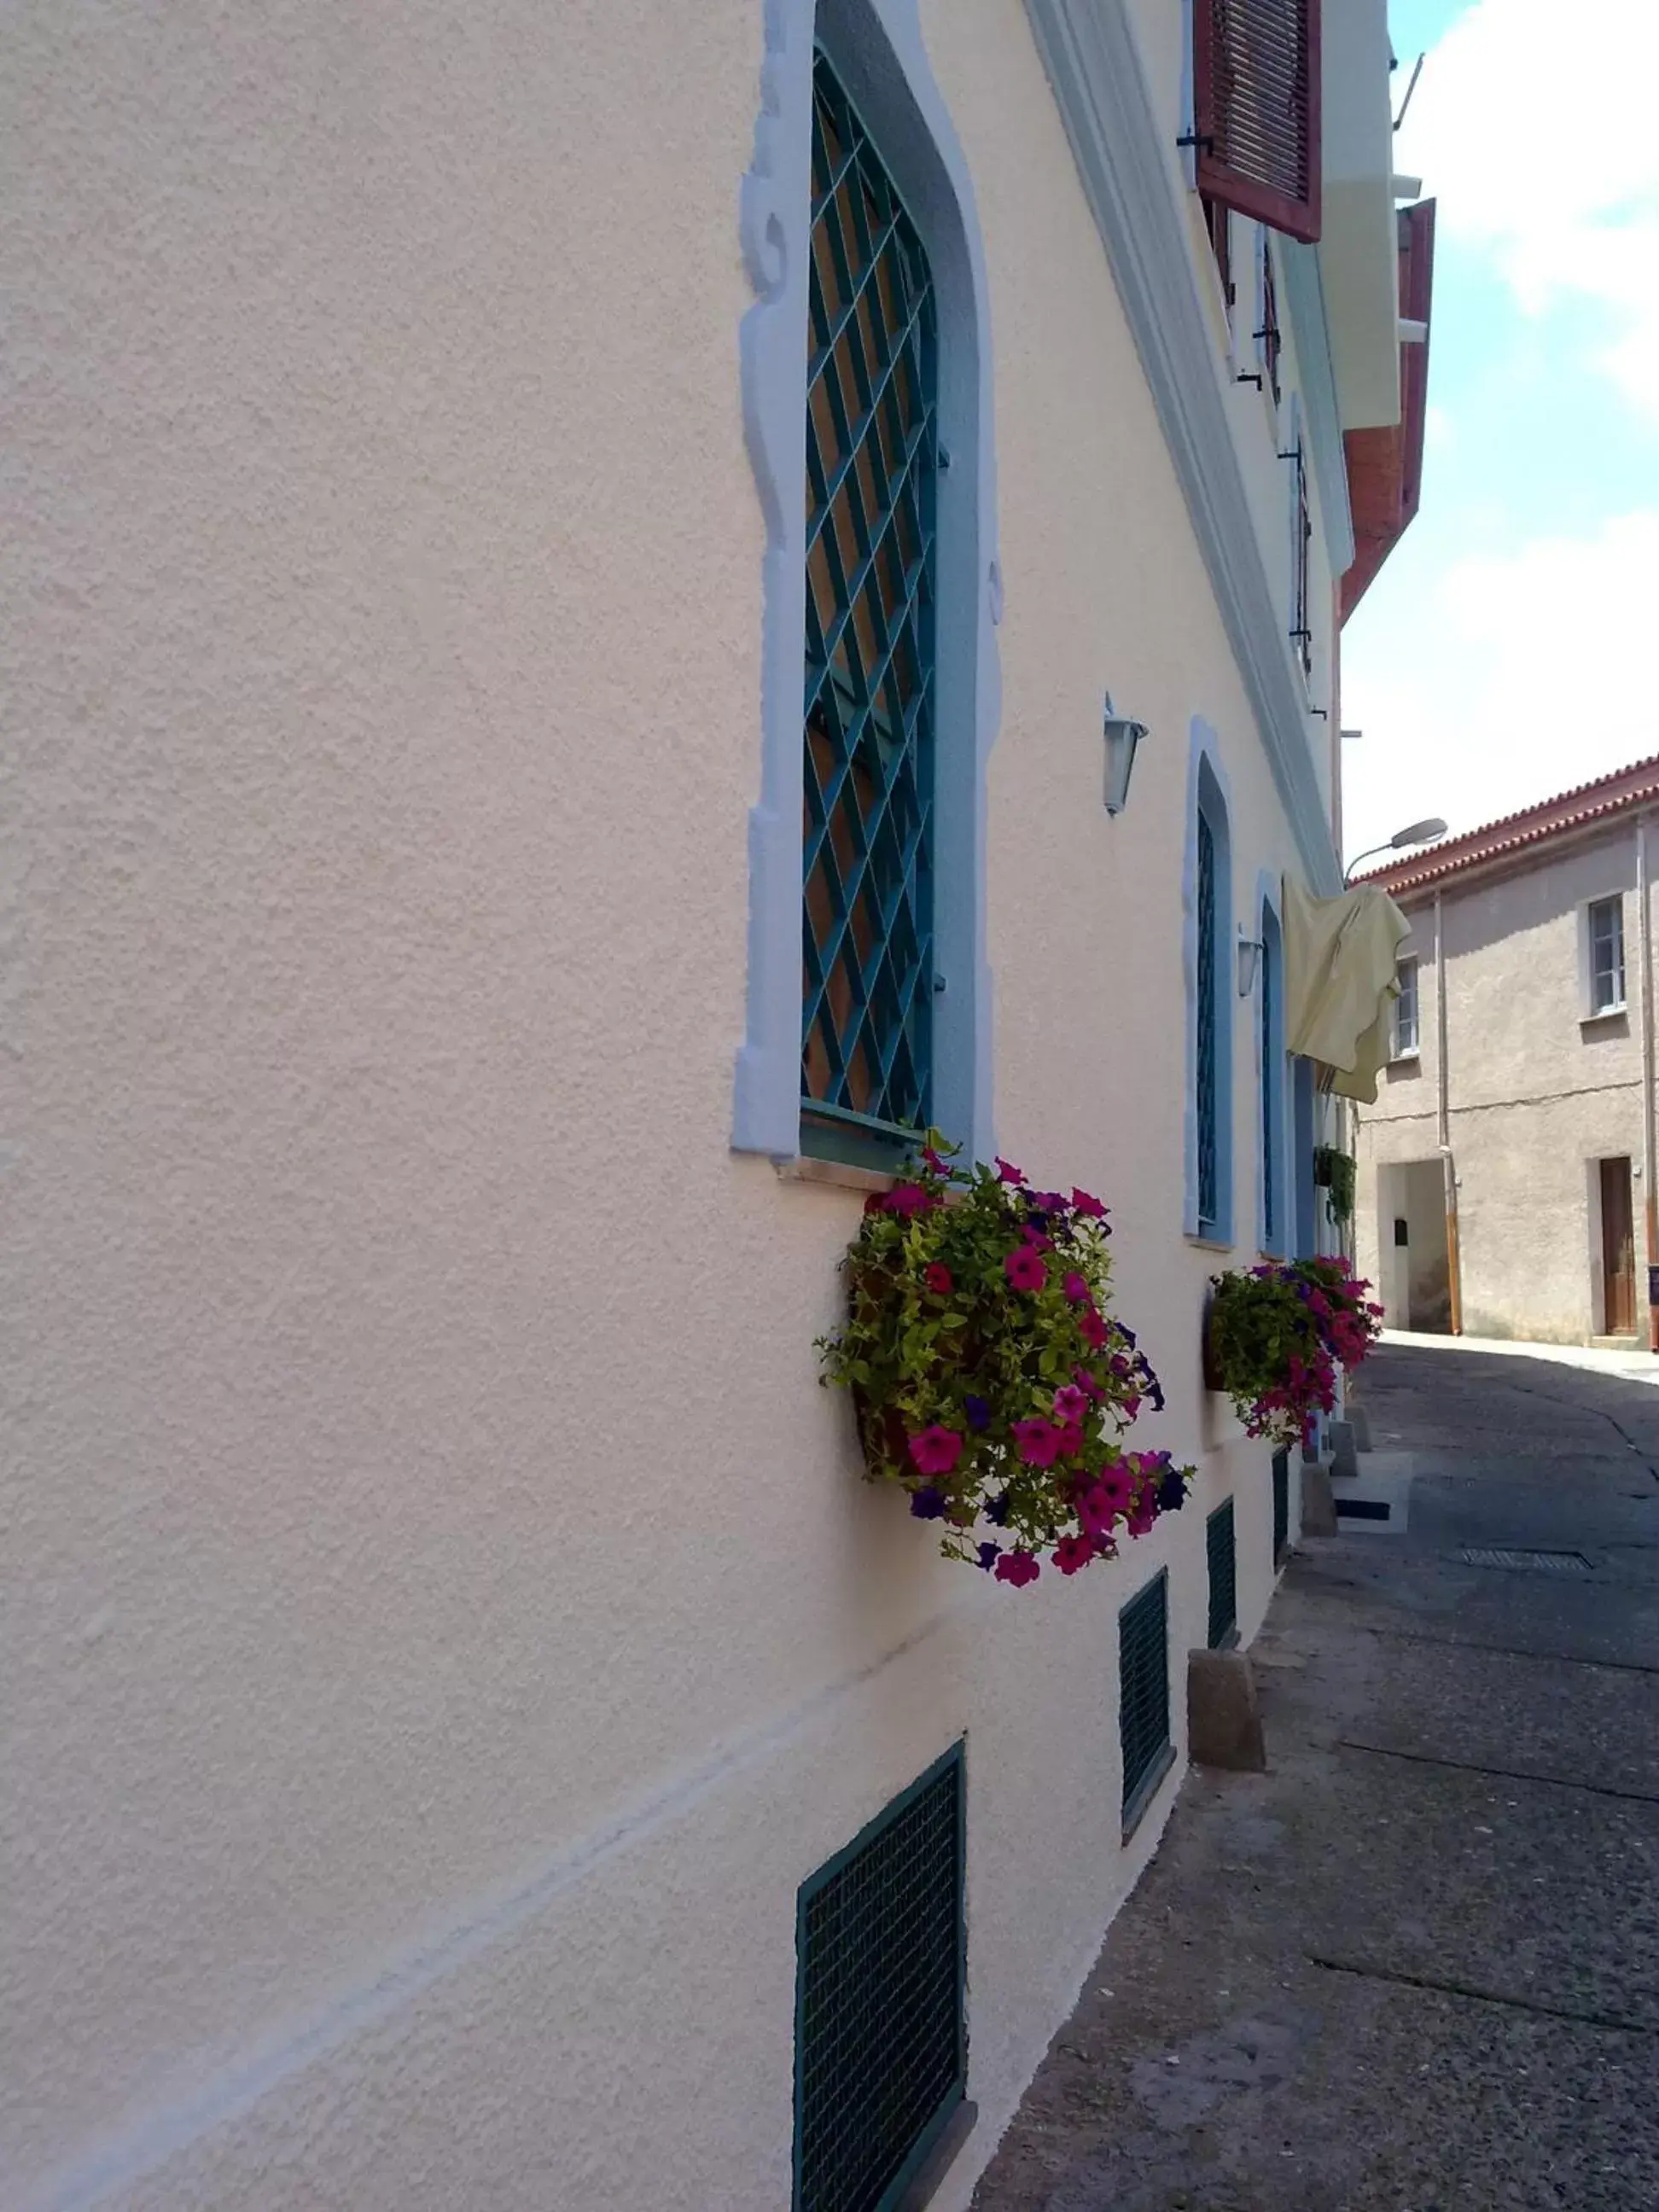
(445, 1616)
(1538, 1093)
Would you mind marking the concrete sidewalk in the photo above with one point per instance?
(1416, 1965)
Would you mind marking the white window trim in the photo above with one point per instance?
(1589, 1012)
(1406, 1054)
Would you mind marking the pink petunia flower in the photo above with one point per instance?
(1070, 1440)
(1117, 1485)
(1071, 1403)
(937, 1449)
(1018, 1568)
(1093, 1329)
(1007, 1172)
(1037, 1442)
(1141, 1520)
(910, 1198)
(1072, 1552)
(1084, 1203)
(1037, 1240)
(937, 1278)
(1025, 1269)
(1096, 1511)
(1076, 1289)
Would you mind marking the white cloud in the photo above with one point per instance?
(1507, 678)
(1527, 128)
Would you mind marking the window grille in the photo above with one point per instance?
(1221, 1549)
(871, 454)
(1143, 1638)
(881, 2044)
(1209, 1203)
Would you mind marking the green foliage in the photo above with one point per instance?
(1276, 1335)
(990, 1380)
(1335, 1171)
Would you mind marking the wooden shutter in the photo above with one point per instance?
(1256, 81)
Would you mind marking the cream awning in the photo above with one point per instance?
(1339, 960)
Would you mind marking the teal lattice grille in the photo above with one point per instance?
(867, 946)
(881, 2047)
(1269, 1089)
(1143, 1648)
(1281, 1503)
(1209, 1203)
(1220, 1545)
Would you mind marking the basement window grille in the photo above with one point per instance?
(1281, 1503)
(881, 2038)
(1143, 1654)
(1220, 1546)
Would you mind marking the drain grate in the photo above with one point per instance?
(1541, 1563)
(1363, 1509)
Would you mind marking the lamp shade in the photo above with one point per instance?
(1123, 737)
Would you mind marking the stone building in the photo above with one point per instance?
(582, 584)
(1505, 1173)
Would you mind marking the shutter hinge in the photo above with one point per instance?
(1201, 139)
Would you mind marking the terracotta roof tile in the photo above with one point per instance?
(1625, 789)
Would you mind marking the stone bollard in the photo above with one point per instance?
(1343, 1462)
(1224, 1716)
(1318, 1506)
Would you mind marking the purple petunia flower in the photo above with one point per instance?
(996, 1509)
(988, 1556)
(928, 1504)
(978, 1412)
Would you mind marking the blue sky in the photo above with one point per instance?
(1508, 649)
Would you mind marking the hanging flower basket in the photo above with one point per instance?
(991, 1381)
(1275, 1335)
(1334, 1174)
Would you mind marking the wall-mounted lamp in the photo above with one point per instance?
(1123, 736)
(1249, 960)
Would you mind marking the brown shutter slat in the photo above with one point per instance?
(1255, 77)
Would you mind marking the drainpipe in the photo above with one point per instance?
(1453, 1259)
(1644, 1014)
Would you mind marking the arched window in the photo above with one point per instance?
(872, 470)
(1210, 957)
(866, 377)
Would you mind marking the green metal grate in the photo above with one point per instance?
(1281, 1503)
(1142, 1648)
(881, 2046)
(1220, 1546)
(1208, 1179)
(871, 457)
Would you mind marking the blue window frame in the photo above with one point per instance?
(871, 458)
(1272, 1228)
(1209, 961)
(1209, 1166)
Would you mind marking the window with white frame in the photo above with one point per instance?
(1605, 925)
(1403, 1043)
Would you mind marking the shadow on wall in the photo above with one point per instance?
(1413, 1265)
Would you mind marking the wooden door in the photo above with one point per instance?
(1618, 1250)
